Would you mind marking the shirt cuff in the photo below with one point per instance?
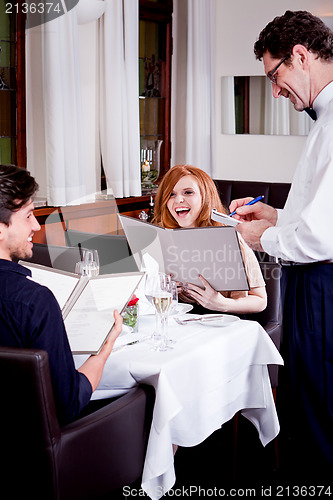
(269, 238)
(85, 391)
(279, 212)
(269, 241)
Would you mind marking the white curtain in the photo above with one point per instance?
(119, 103)
(56, 149)
(54, 121)
(280, 118)
(228, 125)
(64, 130)
(198, 20)
(62, 110)
(276, 117)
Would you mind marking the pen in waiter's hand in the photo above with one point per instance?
(252, 202)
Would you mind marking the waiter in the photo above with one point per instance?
(297, 52)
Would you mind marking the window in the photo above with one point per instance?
(12, 94)
(155, 48)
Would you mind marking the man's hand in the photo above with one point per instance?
(252, 232)
(115, 332)
(257, 211)
(93, 367)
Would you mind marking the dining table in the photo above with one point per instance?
(213, 370)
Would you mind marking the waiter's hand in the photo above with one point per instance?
(252, 232)
(257, 211)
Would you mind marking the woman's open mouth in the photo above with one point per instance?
(182, 211)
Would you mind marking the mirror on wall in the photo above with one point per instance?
(248, 107)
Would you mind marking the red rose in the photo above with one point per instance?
(133, 300)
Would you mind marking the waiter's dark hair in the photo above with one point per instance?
(17, 186)
(295, 27)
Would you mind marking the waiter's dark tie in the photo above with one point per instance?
(311, 112)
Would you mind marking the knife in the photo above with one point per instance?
(202, 318)
(118, 348)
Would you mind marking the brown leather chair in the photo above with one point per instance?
(89, 458)
(271, 317)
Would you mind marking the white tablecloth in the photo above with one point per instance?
(209, 375)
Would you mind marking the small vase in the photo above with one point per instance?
(150, 165)
(130, 317)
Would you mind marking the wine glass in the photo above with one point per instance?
(162, 300)
(89, 263)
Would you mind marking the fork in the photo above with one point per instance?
(202, 318)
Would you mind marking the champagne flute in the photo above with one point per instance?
(162, 299)
(170, 286)
(150, 280)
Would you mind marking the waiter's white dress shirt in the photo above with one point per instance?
(303, 232)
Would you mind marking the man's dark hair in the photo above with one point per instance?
(295, 27)
(17, 186)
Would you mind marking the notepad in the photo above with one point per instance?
(224, 218)
(214, 252)
(87, 303)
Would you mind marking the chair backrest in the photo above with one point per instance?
(114, 252)
(271, 272)
(58, 257)
(29, 427)
(271, 317)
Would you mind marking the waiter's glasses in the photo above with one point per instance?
(271, 74)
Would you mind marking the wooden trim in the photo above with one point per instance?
(156, 11)
(167, 117)
(21, 150)
(93, 209)
(132, 200)
(247, 105)
(162, 12)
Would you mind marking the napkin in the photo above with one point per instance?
(126, 337)
(149, 266)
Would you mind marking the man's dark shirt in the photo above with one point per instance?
(30, 316)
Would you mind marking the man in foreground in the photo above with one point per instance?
(30, 315)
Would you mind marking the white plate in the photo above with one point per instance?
(125, 330)
(224, 320)
(180, 309)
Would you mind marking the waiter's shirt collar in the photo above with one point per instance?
(323, 99)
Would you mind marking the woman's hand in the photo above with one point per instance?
(207, 297)
(182, 296)
(255, 300)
